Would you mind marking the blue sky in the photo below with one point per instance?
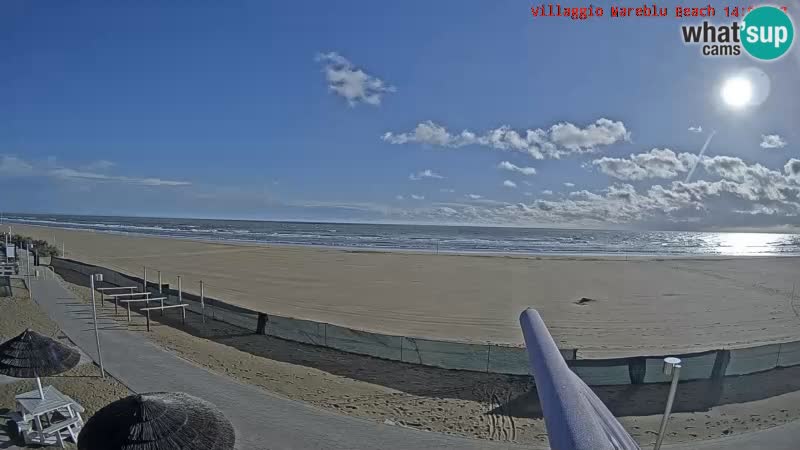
(280, 110)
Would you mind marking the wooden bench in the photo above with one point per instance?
(113, 288)
(116, 297)
(58, 427)
(162, 308)
(139, 300)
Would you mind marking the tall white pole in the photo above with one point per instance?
(96, 332)
(180, 290)
(672, 366)
(159, 283)
(144, 280)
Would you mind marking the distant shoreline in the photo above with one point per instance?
(445, 240)
(551, 255)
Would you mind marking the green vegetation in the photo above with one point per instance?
(40, 247)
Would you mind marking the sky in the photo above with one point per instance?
(451, 112)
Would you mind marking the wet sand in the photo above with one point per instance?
(640, 306)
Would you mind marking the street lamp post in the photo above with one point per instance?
(672, 366)
(93, 278)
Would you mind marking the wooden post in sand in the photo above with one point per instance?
(261, 326)
(180, 291)
(202, 301)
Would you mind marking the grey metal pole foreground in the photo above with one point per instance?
(159, 283)
(97, 277)
(180, 290)
(144, 279)
(672, 366)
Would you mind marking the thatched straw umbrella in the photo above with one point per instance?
(158, 421)
(32, 355)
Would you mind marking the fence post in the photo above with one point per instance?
(160, 287)
(144, 279)
(262, 324)
(202, 301)
(180, 290)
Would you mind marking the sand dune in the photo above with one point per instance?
(640, 306)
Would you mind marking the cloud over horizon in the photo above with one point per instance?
(772, 141)
(557, 141)
(13, 166)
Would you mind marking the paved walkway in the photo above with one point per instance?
(266, 421)
(262, 420)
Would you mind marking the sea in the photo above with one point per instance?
(435, 238)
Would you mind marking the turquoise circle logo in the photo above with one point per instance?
(767, 33)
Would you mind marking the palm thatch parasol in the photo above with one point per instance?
(158, 421)
(32, 355)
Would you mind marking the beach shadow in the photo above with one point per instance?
(9, 438)
(692, 396)
(5, 287)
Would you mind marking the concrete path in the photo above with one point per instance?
(262, 420)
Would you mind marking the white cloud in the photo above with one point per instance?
(657, 163)
(547, 192)
(10, 165)
(568, 184)
(399, 197)
(772, 141)
(697, 129)
(13, 166)
(417, 197)
(99, 165)
(559, 140)
(509, 184)
(528, 194)
(427, 173)
(505, 165)
(352, 83)
(447, 190)
(474, 196)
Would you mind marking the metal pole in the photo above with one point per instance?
(96, 332)
(673, 365)
(63, 251)
(144, 280)
(203, 301)
(159, 282)
(180, 290)
(28, 270)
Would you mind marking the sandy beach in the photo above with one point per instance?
(640, 306)
(472, 404)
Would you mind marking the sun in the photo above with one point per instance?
(737, 92)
